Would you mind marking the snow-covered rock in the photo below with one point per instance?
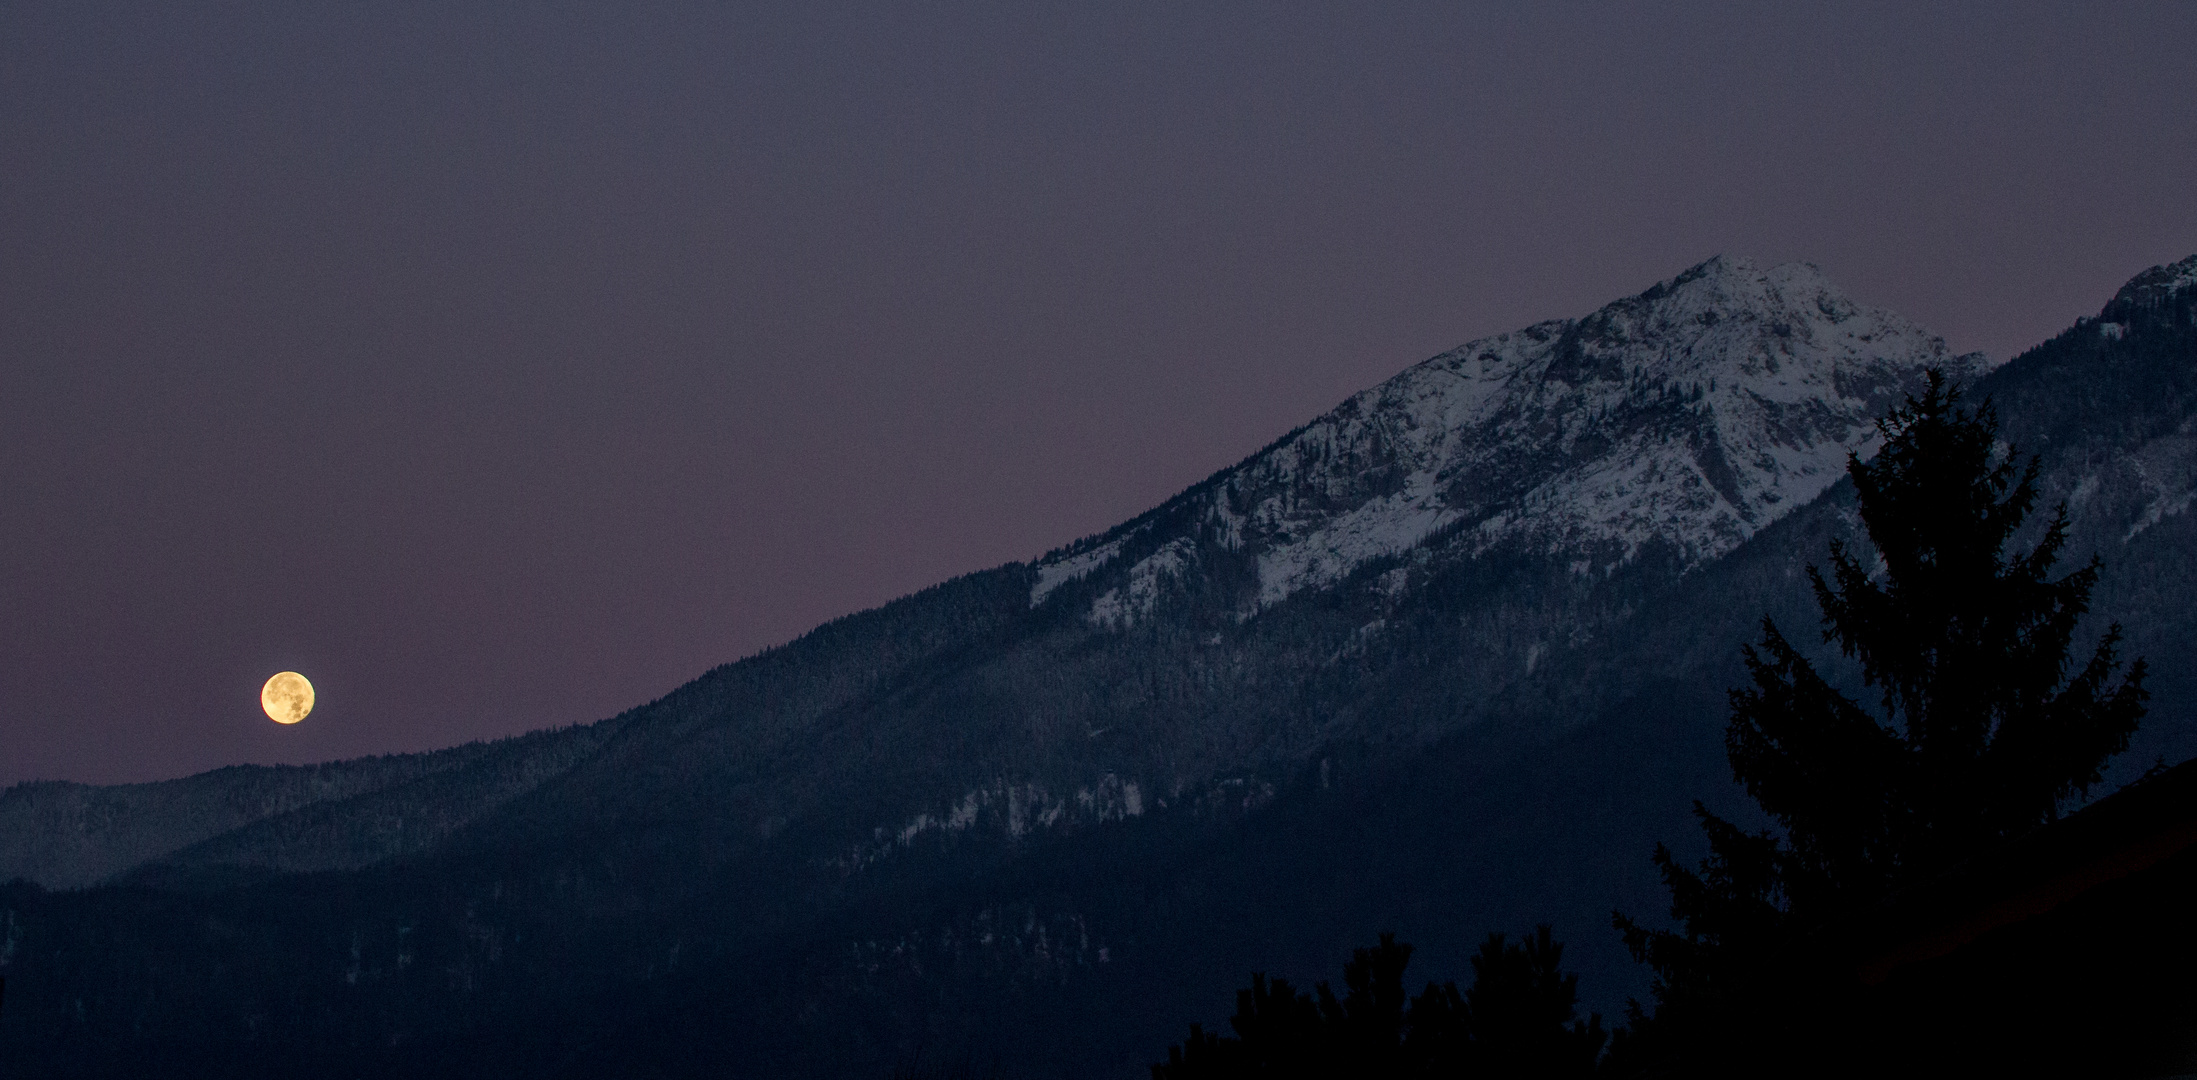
(2157, 286)
(1689, 416)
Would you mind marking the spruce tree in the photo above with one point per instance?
(1980, 731)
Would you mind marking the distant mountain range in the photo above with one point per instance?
(1448, 659)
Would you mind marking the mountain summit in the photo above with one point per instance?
(2158, 287)
(1673, 425)
(1688, 416)
(1449, 659)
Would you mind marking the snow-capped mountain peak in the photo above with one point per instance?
(1688, 416)
(2155, 287)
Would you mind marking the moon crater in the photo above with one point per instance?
(287, 697)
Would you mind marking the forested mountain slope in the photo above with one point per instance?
(1656, 433)
(1448, 659)
(67, 835)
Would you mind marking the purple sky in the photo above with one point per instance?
(506, 365)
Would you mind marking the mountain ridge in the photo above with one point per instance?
(915, 826)
(1412, 456)
(1635, 410)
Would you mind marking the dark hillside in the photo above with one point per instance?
(1045, 814)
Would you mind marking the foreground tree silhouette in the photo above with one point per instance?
(1518, 1019)
(1980, 731)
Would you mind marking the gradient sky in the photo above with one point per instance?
(506, 365)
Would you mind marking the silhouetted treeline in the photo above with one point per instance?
(1519, 1017)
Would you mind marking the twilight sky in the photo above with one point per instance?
(504, 365)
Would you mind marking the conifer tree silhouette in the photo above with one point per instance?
(1366, 1026)
(1518, 1019)
(1522, 1010)
(1980, 732)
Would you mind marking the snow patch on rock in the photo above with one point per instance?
(1054, 573)
(1120, 607)
(2157, 286)
(1016, 810)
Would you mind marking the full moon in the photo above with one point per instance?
(287, 697)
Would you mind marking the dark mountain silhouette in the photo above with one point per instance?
(1447, 660)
